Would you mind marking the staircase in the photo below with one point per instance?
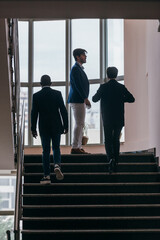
(91, 204)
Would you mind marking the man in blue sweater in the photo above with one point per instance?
(78, 98)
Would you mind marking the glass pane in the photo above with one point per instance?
(116, 44)
(62, 90)
(23, 50)
(49, 50)
(24, 97)
(92, 119)
(122, 136)
(37, 141)
(7, 192)
(7, 223)
(85, 34)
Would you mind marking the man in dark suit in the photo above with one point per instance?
(49, 106)
(78, 98)
(113, 95)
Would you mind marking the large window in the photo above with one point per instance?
(85, 34)
(49, 50)
(116, 44)
(23, 49)
(7, 192)
(46, 48)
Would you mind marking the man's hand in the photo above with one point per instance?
(34, 134)
(65, 131)
(87, 102)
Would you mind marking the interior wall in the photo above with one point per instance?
(153, 70)
(6, 133)
(142, 77)
(135, 72)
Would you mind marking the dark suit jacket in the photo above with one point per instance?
(113, 95)
(48, 104)
(79, 85)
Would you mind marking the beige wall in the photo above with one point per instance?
(153, 70)
(6, 136)
(142, 78)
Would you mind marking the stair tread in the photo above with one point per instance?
(92, 205)
(90, 194)
(98, 173)
(99, 154)
(93, 184)
(92, 218)
(90, 230)
(93, 164)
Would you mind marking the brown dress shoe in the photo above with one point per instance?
(76, 151)
(84, 152)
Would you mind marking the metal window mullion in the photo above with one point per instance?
(24, 84)
(30, 80)
(102, 66)
(68, 67)
(106, 42)
(37, 84)
(120, 78)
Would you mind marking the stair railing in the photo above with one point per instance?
(9, 233)
(13, 52)
(20, 160)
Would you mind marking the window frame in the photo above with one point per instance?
(103, 36)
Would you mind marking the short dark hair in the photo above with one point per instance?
(112, 72)
(78, 52)
(45, 80)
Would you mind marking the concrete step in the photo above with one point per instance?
(65, 188)
(102, 210)
(97, 177)
(100, 198)
(93, 167)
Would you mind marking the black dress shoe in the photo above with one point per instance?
(111, 166)
(115, 166)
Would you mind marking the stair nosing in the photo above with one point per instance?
(99, 154)
(93, 206)
(91, 194)
(93, 184)
(99, 173)
(92, 218)
(94, 164)
(91, 230)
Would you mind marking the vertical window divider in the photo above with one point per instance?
(68, 67)
(30, 80)
(102, 66)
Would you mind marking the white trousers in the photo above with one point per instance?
(79, 112)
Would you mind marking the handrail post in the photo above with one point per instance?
(8, 235)
(20, 156)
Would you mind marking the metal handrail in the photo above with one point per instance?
(13, 53)
(20, 160)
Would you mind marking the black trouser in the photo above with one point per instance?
(112, 140)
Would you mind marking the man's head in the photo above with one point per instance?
(79, 55)
(112, 72)
(45, 80)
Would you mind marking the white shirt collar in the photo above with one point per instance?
(45, 86)
(80, 65)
